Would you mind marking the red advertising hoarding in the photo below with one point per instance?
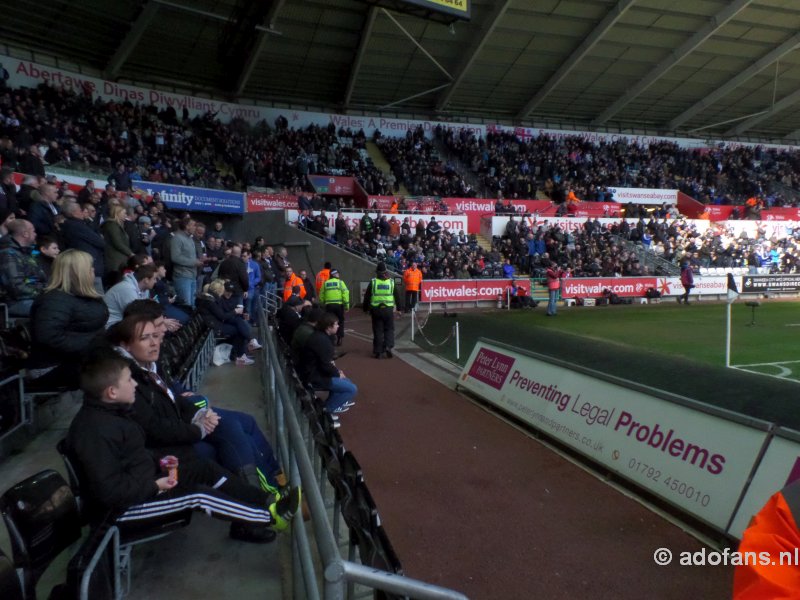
(592, 287)
(262, 201)
(467, 290)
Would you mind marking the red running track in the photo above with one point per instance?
(472, 503)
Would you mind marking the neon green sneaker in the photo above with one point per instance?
(284, 509)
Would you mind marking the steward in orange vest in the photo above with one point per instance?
(772, 531)
(292, 280)
(412, 281)
(322, 277)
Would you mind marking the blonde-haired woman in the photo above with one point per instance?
(65, 320)
(216, 308)
(118, 244)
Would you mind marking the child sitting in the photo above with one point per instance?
(122, 478)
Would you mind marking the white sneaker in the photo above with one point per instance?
(244, 361)
(254, 345)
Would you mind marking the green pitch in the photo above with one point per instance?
(680, 349)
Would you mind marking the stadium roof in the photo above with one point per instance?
(705, 68)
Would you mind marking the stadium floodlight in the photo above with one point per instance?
(443, 11)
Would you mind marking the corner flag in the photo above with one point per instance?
(733, 292)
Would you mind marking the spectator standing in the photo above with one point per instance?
(687, 281)
(8, 191)
(291, 282)
(121, 179)
(65, 321)
(234, 270)
(254, 281)
(43, 211)
(309, 286)
(78, 234)
(21, 276)
(117, 244)
(185, 261)
(553, 275)
(322, 277)
(412, 282)
(380, 300)
(335, 297)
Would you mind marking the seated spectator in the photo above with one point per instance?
(317, 368)
(134, 286)
(165, 295)
(47, 251)
(65, 320)
(229, 437)
(289, 318)
(124, 478)
(303, 331)
(21, 276)
(227, 323)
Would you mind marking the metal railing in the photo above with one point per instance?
(323, 574)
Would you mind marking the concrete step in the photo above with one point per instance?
(379, 160)
(483, 242)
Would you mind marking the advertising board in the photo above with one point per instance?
(679, 450)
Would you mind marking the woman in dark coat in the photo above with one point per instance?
(66, 321)
(226, 322)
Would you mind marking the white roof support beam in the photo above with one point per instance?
(263, 34)
(489, 25)
(366, 34)
(779, 106)
(674, 57)
(129, 42)
(577, 56)
(791, 44)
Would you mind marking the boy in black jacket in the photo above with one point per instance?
(123, 478)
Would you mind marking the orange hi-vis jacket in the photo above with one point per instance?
(290, 283)
(412, 279)
(764, 573)
(322, 277)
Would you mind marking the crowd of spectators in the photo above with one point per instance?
(572, 165)
(49, 126)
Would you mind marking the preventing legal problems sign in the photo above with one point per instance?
(694, 458)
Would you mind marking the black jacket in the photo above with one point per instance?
(111, 455)
(42, 217)
(165, 423)
(316, 361)
(213, 312)
(64, 327)
(234, 270)
(80, 236)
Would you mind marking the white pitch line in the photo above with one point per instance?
(769, 364)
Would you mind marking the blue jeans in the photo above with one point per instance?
(552, 296)
(237, 441)
(173, 312)
(186, 288)
(342, 390)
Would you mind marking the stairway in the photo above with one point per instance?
(379, 160)
(462, 169)
(483, 242)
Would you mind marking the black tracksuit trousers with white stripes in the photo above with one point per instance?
(203, 485)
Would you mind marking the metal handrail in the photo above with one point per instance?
(335, 572)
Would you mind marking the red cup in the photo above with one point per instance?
(170, 465)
